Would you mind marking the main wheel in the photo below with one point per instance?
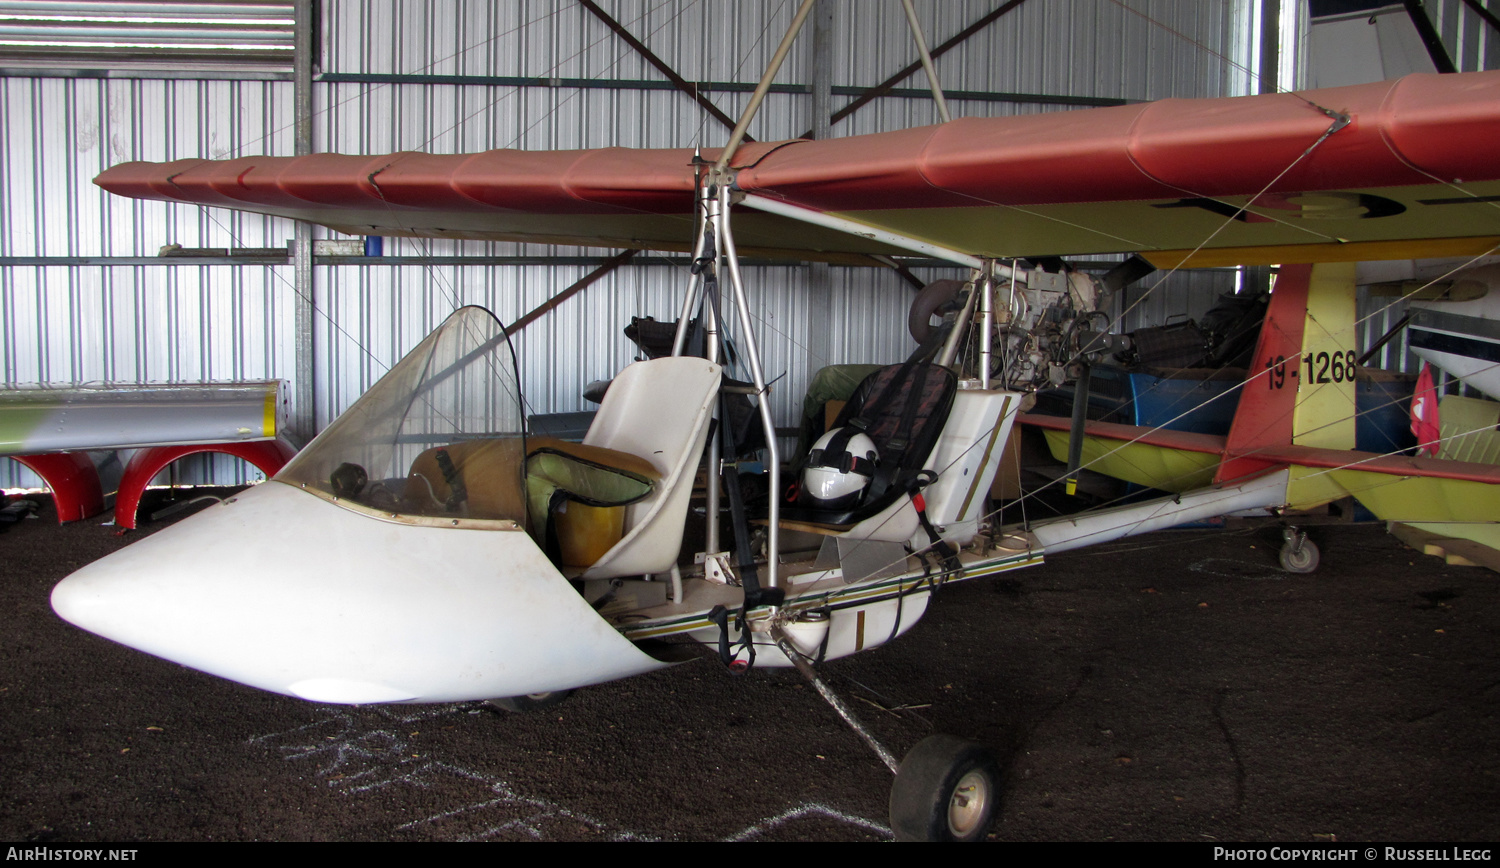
(947, 789)
(531, 701)
(1299, 559)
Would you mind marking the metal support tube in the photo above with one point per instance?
(304, 417)
(1075, 433)
(712, 339)
(765, 84)
(818, 218)
(695, 279)
(956, 337)
(708, 207)
(302, 75)
(305, 420)
(822, 71)
(819, 278)
(751, 352)
(987, 324)
(1270, 46)
(1105, 525)
(932, 78)
(689, 301)
(889, 85)
(780, 637)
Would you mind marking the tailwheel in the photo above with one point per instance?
(947, 789)
(1298, 554)
(531, 701)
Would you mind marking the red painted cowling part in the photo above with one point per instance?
(74, 482)
(267, 455)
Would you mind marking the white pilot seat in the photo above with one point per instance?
(658, 410)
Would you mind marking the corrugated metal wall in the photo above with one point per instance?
(90, 318)
(1471, 43)
(1172, 296)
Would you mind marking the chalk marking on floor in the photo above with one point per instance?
(808, 809)
(1233, 569)
(535, 812)
(354, 759)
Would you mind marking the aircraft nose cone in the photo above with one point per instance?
(284, 591)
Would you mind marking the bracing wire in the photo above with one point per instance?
(425, 244)
(760, 320)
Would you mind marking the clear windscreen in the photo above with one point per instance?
(440, 435)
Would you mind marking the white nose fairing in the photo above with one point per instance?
(387, 562)
(287, 592)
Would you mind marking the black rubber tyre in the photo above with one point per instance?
(1300, 560)
(926, 304)
(947, 789)
(531, 701)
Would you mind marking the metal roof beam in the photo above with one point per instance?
(1430, 39)
(579, 286)
(1484, 13)
(681, 83)
(654, 84)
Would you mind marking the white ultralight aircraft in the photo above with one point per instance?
(430, 550)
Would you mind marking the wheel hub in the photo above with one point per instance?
(967, 807)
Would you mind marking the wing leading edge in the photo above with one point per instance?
(1414, 171)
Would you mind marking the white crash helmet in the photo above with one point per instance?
(838, 470)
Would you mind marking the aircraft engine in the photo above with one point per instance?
(1048, 326)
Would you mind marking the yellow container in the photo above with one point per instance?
(585, 533)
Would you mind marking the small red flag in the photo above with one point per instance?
(1424, 414)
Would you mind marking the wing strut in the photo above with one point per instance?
(719, 201)
(763, 87)
(863, 230)
(714, 254)
(932, 78)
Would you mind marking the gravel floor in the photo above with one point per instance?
(1176, 687)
